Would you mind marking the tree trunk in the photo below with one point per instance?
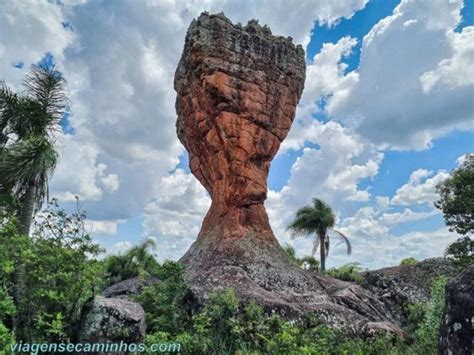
(26, 217)
(322, 251)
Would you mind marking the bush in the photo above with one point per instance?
(222, 326)
(415, 313)
(136, 261)
(426, 335)
(347, 272)
(163, 300)
(409, 261)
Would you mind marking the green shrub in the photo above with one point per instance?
(409, 261)
(134, 262)
(426, 335)
(414, 313)
(163, 301)
(222, 326)
(347, 272)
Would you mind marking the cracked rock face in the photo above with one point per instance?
(237, 90)
(112, 319)
(457, 324)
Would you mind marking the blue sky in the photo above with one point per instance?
(384, 116)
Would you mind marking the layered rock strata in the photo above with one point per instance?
(237, 91)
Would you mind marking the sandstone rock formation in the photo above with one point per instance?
(399, 286)
(114, 320)
(457, 325)
(237, 90)
(127, 288)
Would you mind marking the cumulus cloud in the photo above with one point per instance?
(457, 70)
(119, 248)
(101, 227)
(331, 172)
(79, 168)
(420, 188)
(324, 76)
(375, 245)
(29, 30)
(412, 82)
(175, 215)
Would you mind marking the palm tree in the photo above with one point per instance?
(28, 122)
(317, 219)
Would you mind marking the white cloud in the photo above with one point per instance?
(413, 79)
(420, 188)
(324, 75)
(79, 172)
(457, 70)
(391, 219)
(101, 227)
(28, 30)
(331, 172)
(175, 215)
(119, 248)
(374, 244)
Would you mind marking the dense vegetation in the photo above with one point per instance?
(62, 274)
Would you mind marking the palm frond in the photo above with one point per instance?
(9, 107)
(345, 239)
(315, 246)
(32, 159)
(46, 86)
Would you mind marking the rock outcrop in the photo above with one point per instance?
(237, 90)
(114, 320)
(457, 325)
(399, 286)
(128, 288)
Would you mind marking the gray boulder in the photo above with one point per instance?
(457, 332)
(127, 288)
(112, 319)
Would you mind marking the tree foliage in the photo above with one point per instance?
(136, 261)
(61, 273)
(457, 199)
(28, 124)
(461, 252)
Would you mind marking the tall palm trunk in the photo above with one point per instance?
(322, 250)
(26, 218)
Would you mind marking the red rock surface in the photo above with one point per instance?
(237, 90)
